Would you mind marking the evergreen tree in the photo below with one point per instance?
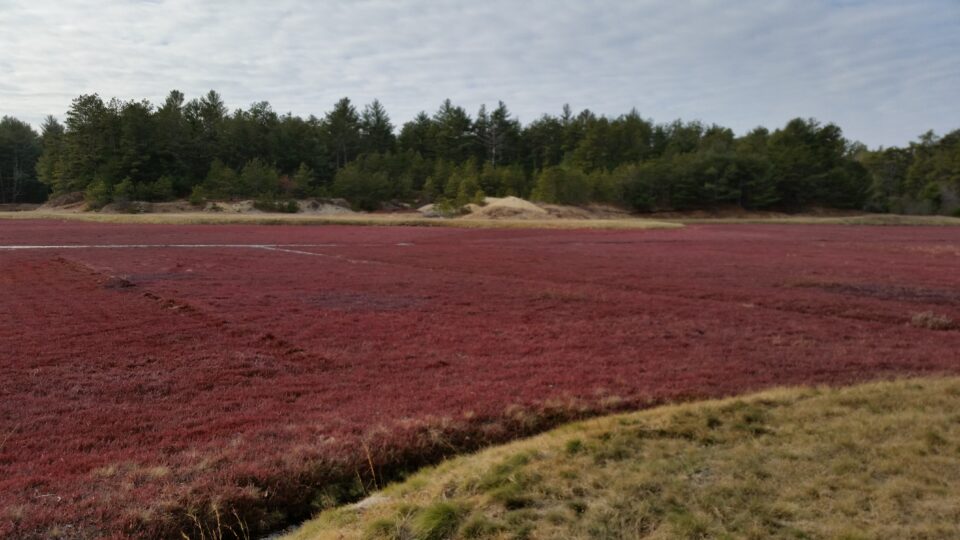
(206, 117)
(19, 151)
(136, 150)
(364, 184)
(571, 158)
(341, 128)
(934, 174)
(173, 145)
(454, 140)
(300, 141)
(259, 178)
(543, 143)
(438, 179)
(501, 137)
(221, 182)
(303, 181)
(89, 142)
(419, 136)
(562, 185)
(50, 163)
(376, 131)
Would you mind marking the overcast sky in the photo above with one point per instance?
(885, 71)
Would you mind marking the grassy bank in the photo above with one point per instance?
(414, 220)
(866, 219)
(880, 460)
(199, 218)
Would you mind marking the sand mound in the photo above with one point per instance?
(66, 199)
(127, 207)
(442, 211)
(508, 208)
(520, 209)
(171, 207)
(429, 210)
(567, 212)
(231, 207)
(325, 206)
(517, 208)
(307, 206)
(74, 202)
(607, 211)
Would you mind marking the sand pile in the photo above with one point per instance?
(508, 208)
(429, 210)
(171, 207)
(231, 207)
(517, 208)
(307, 206)
(567, 212)
(325, 206)
(126, 207)
(436, 211)
(74, 201)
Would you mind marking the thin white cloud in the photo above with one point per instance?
(884, 70)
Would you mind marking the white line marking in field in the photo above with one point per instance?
(283, 248)
(275, 247)
(145, 246)
(311, 253)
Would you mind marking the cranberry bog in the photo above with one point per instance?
(160, 381)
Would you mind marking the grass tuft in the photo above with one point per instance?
(438, 521)
(573, 447)
(481, 526)
(933, 321)
(385, 529)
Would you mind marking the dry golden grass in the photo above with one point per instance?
(197, 218)
(933, 321)
(410, 219)
(866, 219)
(880, 460)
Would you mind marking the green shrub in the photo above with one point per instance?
(161, 190)
(469, 192)
(221, 182)
(562, 185)
(303, 181)
(198, 196)
(365, 190)
(98, 194)
(447, 208)
(124, 192)
(259, 178)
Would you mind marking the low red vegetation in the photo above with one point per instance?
(142, 387)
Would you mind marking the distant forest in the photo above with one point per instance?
(119, 151)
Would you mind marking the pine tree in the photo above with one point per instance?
(342, 130)
(376, 131)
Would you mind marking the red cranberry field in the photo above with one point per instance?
(159, 379)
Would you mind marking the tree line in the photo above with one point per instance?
(133, 150)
